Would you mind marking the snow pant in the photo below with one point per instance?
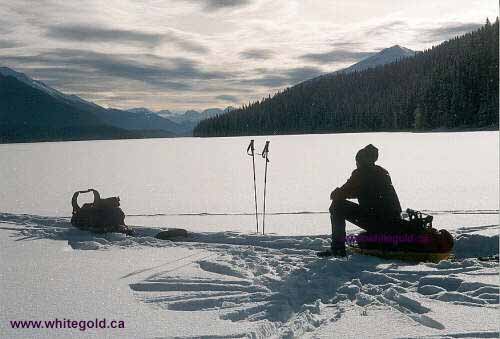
(343, 210)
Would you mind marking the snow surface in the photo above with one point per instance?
(235, 285)
(224, 281)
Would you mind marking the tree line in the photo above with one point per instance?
(452, 86)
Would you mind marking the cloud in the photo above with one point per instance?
(185, 44)
(268, 81)
(257, 54)
(215, 5)
(347, 45)
(230, 98)
(72, 78)
(303, 73)
(165, 73)
(8, 44)
(98, 34)
(284, 77)
(448, 31)
(338, 55)
(4, 27)
(387, 27)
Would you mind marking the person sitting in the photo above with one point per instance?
(379, 208)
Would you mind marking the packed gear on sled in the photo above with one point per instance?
(100, 216)
(414, 240)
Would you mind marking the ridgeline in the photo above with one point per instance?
(451, 86)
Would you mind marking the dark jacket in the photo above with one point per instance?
(372, 186)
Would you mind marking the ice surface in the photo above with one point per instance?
(225, 281)
(433, 171)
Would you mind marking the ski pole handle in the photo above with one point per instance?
(251, 148)
(265, 151)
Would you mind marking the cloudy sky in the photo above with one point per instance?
(196, 54)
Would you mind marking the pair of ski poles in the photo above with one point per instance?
(265, 155)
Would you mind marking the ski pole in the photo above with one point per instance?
(265, 153)
(251, 151)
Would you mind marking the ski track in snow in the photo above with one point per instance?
(279, 283)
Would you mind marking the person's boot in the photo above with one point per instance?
(337, 250)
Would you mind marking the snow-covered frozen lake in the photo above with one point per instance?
(225, 281)
(430, 171)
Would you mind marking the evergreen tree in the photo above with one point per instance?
(453, 85)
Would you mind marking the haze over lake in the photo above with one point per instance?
(430, 171)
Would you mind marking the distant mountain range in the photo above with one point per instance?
(187, 118)
(32, 111)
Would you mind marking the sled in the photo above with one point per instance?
(404, 256)
(415, 240)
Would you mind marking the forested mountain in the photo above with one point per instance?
(32, 111)
(30, 114)
(451, 86)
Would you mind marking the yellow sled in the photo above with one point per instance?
(405, 256)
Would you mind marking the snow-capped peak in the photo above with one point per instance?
(397, 50)
(385, 56)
